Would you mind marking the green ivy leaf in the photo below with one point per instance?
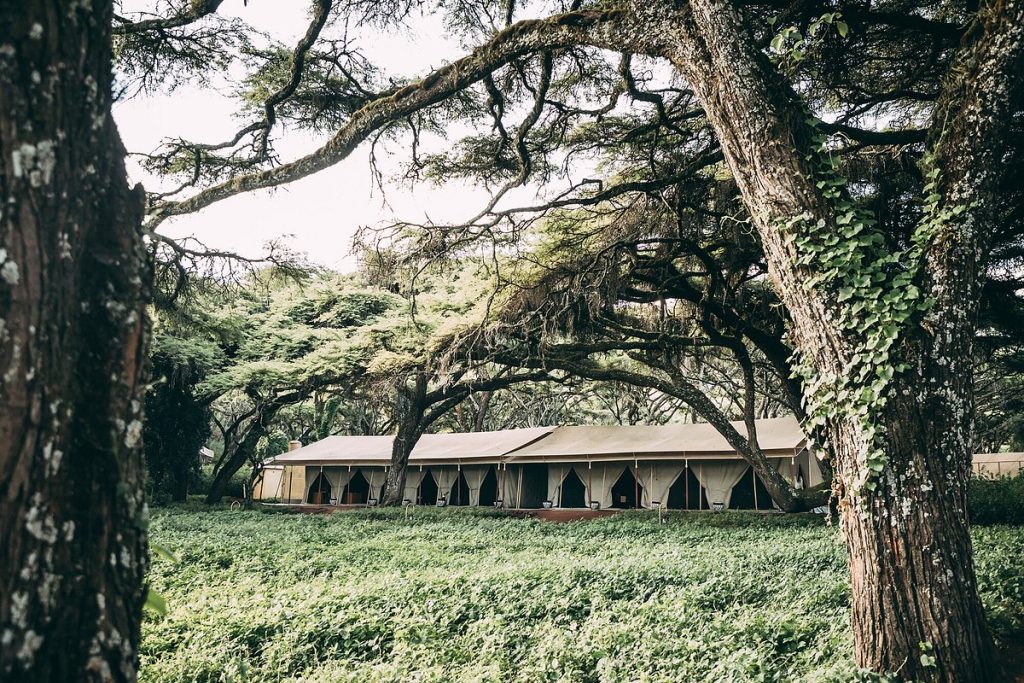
(155, 602)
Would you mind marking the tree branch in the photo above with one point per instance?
(611, 29)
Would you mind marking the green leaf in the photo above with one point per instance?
(161, 551)
(842, 28)
(155, 602)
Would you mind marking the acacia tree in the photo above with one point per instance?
(73, 337)
(272, 342)
(882, 323)
(677, 309)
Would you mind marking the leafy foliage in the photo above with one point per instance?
(177, 425)
(466, 595)
(997, 500)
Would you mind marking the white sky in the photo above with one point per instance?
(321, 212)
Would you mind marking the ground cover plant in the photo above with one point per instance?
(463, 595)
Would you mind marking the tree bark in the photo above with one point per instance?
(73, 349)
(915, 604)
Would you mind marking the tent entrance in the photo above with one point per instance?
(319, 491)
(750, 494)
(357, 491)
(574, 493)
(459, 495)
(687, 493)
(428, 490)
(489, 487)
(530, 486)
(626, 491)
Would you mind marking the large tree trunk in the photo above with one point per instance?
(73, 338)
(903, 461)
(915, 600)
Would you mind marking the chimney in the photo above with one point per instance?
(294, 445)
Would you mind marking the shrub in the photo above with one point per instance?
(234, 489)
(996, 500)
(466, 595)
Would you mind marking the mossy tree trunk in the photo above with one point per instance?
(73, 354)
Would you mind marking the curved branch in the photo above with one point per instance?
(196, 11)
(613, 30)
(323, 8)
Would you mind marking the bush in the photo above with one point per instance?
(234, 489)
(996, 500)
(471, 595)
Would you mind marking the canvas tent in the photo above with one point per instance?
(563, 466)
(682, 465)
(659, 455)
(442, 457)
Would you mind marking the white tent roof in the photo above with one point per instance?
(777, 436)
(475, 445)
(431, 448)
(343, 449)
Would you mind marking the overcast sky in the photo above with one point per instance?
(323, 211)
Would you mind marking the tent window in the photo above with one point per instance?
(627, 491)
(459, 494)
(428, 490)
(489, 487)
(357, 491)
(319, 491)
(750, 494)
(573, 492)
(687, 493)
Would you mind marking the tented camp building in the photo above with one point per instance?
(679, 466)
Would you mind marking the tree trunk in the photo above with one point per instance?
(410, 406)
(73, 348)
(240, 452)
(901, 470)
(915, 606)
(179, 483)
(481, 412)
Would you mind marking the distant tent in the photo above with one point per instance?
(990, 465)
(680, 466)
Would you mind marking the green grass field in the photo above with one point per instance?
(465, 595)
